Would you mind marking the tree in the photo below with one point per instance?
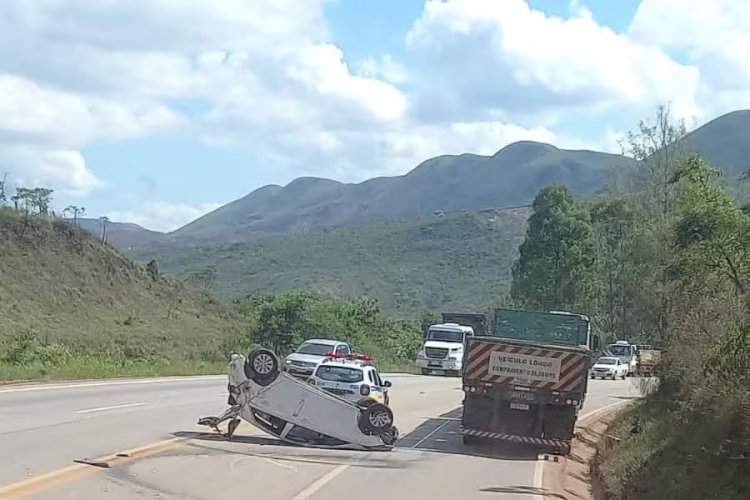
(76, 211)
(556, 261)
(23, 199)
(40, 198)
(613, 220)
(3, 196)
(104, 220)
(712, 229)
(153, 269)
(657, 146)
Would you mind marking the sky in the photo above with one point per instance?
(158, 111)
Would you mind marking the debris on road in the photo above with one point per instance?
(86, 461)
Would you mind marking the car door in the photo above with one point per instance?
(379, 384)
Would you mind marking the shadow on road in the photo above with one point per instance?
(207, 443)
(237, 438)
(441, 435)
(435, 435)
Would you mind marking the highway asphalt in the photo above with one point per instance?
(44, 428)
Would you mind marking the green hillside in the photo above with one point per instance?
(454, 261)
(65, 297)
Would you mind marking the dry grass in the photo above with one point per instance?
(87, 309)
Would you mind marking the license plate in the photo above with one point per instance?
(519, 406)
(528, 396)
(436, 365)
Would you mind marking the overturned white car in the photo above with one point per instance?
(298, 412)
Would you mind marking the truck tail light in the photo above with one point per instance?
(364, 390)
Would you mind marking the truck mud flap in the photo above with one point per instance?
(530, 440)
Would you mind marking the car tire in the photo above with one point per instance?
(376, 419)
(425, 371)
(262, 366)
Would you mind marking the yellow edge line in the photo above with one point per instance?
(67, 474)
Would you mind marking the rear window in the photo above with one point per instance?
(315, 349)
(340, 374)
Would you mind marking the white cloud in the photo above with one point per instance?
(161, 215)
(270, 78)
(30, 113)
(508, 58)
(713, 36)
(63, 170)
(386, 68)
(42, 128)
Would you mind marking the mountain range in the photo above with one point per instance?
(510, 177)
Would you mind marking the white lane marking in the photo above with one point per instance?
(431, 433)
(603, 408)
(317, 485)
(112, 382)
(280, 464)
(105, 408)
(79, 385)
(538, 479)
(539, 467)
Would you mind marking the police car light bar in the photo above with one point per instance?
(359, 357)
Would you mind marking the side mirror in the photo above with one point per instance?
(595, 342)
(387, 383)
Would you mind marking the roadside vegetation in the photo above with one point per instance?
(71, 306)
(283, 321)
(664, 259)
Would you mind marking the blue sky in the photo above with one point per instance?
(156, 114)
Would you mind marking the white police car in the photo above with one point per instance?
(351, 377)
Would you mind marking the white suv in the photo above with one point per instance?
(298, 412)
(303, 361)
(351, 377)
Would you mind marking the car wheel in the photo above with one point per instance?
(262, 366)
(376, 419)
(425, 371)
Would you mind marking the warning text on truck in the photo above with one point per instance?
(537, 368)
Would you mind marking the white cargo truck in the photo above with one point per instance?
(443, 347)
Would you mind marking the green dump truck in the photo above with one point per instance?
(526, 377)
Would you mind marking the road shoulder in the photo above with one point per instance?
(570, 477)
